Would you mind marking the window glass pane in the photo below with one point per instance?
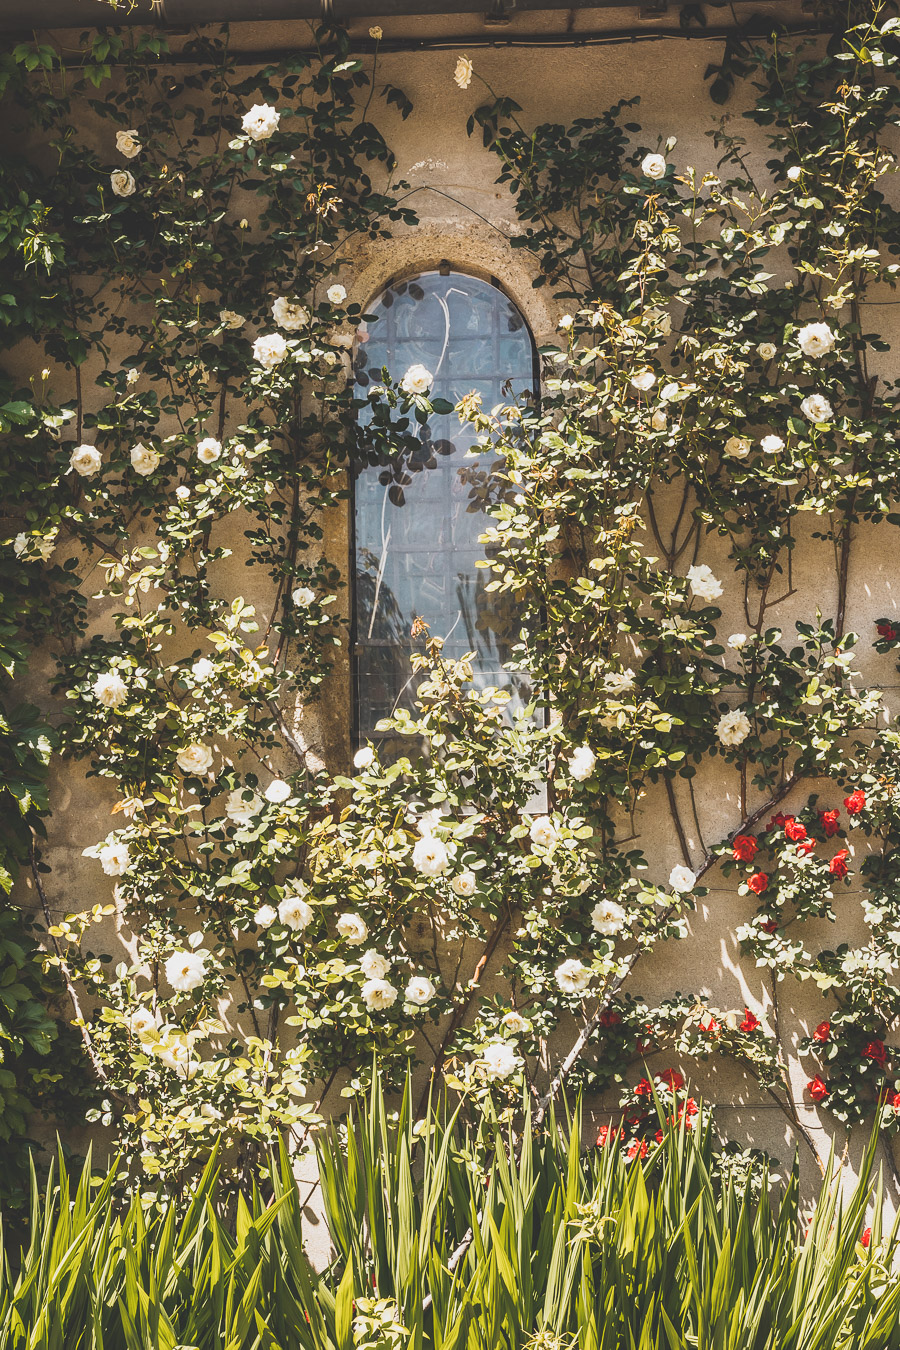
(417, 524)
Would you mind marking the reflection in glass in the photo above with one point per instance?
(417, 525)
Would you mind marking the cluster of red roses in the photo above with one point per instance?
(888, 634)
(745, 846)
(875, 1051)
(641, 1123)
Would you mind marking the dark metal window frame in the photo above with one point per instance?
(355, 648)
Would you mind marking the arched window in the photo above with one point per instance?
(418, 514)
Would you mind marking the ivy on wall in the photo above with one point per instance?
(709, 404)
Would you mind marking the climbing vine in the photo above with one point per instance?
(714, 400)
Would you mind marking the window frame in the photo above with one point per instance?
(355, 648)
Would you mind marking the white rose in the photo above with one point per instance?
(127, 143)
(289, 314)
(659, 421)
(653, 166)
(261, 121)
(702, 582)
(378, 995)
(515, 1022)
(202, 668)
(278, 791)
(499, 1059)
(429, 821)
(816, 408)
(265, 916)
(737, 641)
(738, 447)
(566, 322)
(303, 597)
(543, 832)
(352, 928)
(618, 681)
(240, 808)
(364, 758)
(767, 350)
(144, 459)
(376, 32)
(464, 884)
(186, 970)
(229, 318)
(182, 492)
(113, 858)
(417, 380)
(110, 689)
(607, 917)
(209, 450)
(573, 977)
(175, 1053)
(772, 444)
(35, 546)
(643, 380)
(463, 72)
(132, 375)
(122, 182)
(143, 1024)
(794, 172)
(430, 856)
(270, 349)
(373, 965)
(733, 728)
(86, 460)
(420, 990)
(681, 878)
(582, 762)
(295, 912)
(195, 758)
(816, 339)
(336, 295)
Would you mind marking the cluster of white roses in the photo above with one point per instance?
(122, 181)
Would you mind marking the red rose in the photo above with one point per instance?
(777, 821)
(866, 1237)
(750, 1023)
(710, 1026)
(838, 865)
(794, 830)
(886, 630)
(876, 1052)
(829, 820)
(807, 847)
(856, 802)
(770, 925)
(659, 1136)
(758, 883)
(817, 1089)
(644, 1088)
(744, 848)
(672, 1078)
(892, 1099)
(606, 1136)
(635, 1147)
(822, 1032)
(608, 1018)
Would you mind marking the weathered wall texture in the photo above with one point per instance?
(467, 219)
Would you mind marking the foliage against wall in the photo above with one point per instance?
(286, 926)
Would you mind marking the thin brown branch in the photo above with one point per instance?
(79, 1020)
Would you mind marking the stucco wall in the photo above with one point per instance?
(466, 219)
